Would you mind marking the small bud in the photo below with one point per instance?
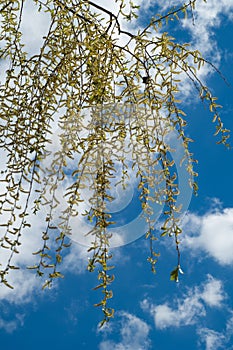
(145, 80)
(180, 270)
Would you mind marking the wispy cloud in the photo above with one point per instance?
(201, 27)
(207, 17)
(76, 260)
(24, 281)
(214, 340)
(211, 339)
(133, 332)
(189, 309)
(10, 326)
(26, 287)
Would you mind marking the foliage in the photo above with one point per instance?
(87, 60)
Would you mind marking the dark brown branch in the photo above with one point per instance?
(4, 7)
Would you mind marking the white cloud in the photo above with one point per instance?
(33, 30)
(212, 293)
(208, 17)
(76, 260)
(212, 233)
(189, 309)
(229, 327)
(213, 340)
(25, 286)
(186, 313)
(24, 281)
(10, 326)
(134, 335)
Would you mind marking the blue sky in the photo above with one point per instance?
(151, 311)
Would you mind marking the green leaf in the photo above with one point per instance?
(59, 258)
(7, 284)
(32, 267)
(175, 274)
(56, 275)
(13, 267)
(47, 284)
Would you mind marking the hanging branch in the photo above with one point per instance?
(86, 63)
